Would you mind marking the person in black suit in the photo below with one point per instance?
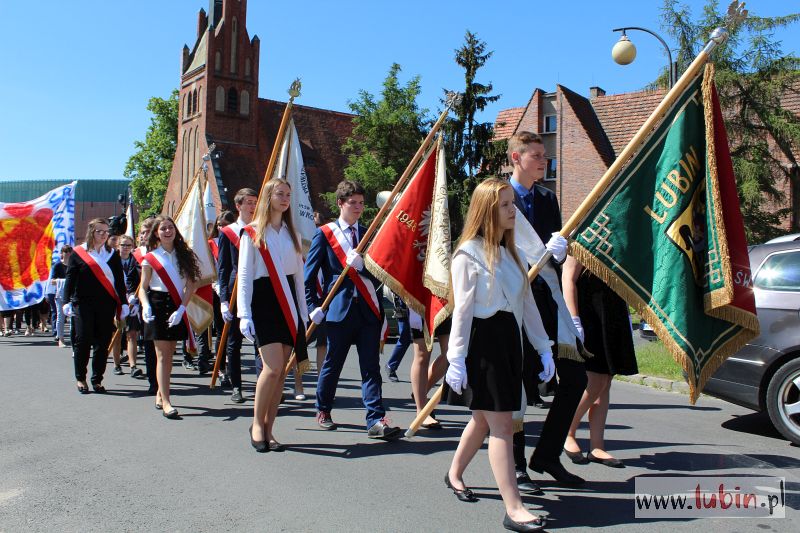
(540, 207)
(95, 292)
(227, 266)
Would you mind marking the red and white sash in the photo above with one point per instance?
(212, 243)
(172, 280)
(279, 283)
(138, 254)
(102, 272)
(341, 245)
(232, 234)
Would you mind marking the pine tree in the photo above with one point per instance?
(753, 75)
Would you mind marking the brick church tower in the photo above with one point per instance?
(218, 96)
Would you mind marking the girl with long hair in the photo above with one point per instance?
(94, 292)
(169, 273)
(271, 302)
(492, 300)
(133, 275)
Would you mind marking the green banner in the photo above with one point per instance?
(657, 236)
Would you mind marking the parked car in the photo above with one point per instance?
(765, 374)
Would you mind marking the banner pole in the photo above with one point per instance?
(294, 91)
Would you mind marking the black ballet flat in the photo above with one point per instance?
(576, 457)
(260, 447)
(275, 446)
(172, 414)
(611, 461)
(83, 389)
(465, 495)
(537, 524)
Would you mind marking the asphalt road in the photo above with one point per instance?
(113, 463)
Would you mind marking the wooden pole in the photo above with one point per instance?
(376, 222)
(294, 91)
(717, 37)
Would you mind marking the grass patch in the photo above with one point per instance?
(654, 360)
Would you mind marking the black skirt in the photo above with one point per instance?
(494, 365)
(268, 319)
(162, 305)
(441, 329)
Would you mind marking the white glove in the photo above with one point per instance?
(67, 309)
(247, 329)
(227, 316)
(124, 312)
(557, 245)
(134, 310)
(147, 313)
(317, 315)
(175, 318)
(456, 375)
(131, 298)
(579, 326)
(354, 260)
(549, 367)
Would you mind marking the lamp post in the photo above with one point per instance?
(624, 52)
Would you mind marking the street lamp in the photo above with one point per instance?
(624, 52)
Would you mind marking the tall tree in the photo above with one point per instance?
(753, 76)
(386, 134)
(149, 168)
(468, 141)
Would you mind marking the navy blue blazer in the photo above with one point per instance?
(227, 265)
(322, 257)
(546, 213)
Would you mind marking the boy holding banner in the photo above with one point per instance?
(355, 315)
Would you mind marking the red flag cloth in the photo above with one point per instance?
(396, 255)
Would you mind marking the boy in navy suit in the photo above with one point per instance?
(355, 315)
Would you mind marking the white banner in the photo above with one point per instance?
(290, 167)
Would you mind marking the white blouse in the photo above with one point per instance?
(251, 267)
(164, 256)
(479, 293)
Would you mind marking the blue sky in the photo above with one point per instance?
(77, 76)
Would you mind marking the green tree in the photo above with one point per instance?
(468, 141)
(387, 133)
(149, 168)
(753, 74)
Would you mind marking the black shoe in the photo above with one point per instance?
(576, 457)
(260, 447)
(465, 495)
(99, 389)
(136, 373)
(118, 371)
(172, 414)
(325, 421)
(612, 462)
(123, 359)
(392, 375)
(237, 397)
(203, 367)
(557, 470)
(537, 524)
(224, 381)
(380, 430)
(526, 484)
(275, 446)
(83, 389)
(538, 403)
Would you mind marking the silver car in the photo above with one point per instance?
(765, 374)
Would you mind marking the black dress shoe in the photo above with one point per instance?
(99, 389)
(557, 470)
(525, 484)
(537, 524)
(576, 457)
(260, 447)
(465, 495)
(172, 414)
(380, 430)
(83, 389)
(612, 462)
(275, 446)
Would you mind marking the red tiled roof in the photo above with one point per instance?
(506, 122)
(590, 123)
(621, 115)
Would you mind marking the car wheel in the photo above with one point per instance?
(783, 400)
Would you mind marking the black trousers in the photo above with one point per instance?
(93, 327)
(150, 362)
(233, 351)
(571, 384)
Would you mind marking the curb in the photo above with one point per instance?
(678, 387)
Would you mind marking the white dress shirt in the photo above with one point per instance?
(163, 256)
(348, 230)
(480, 293)
(252, 267)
